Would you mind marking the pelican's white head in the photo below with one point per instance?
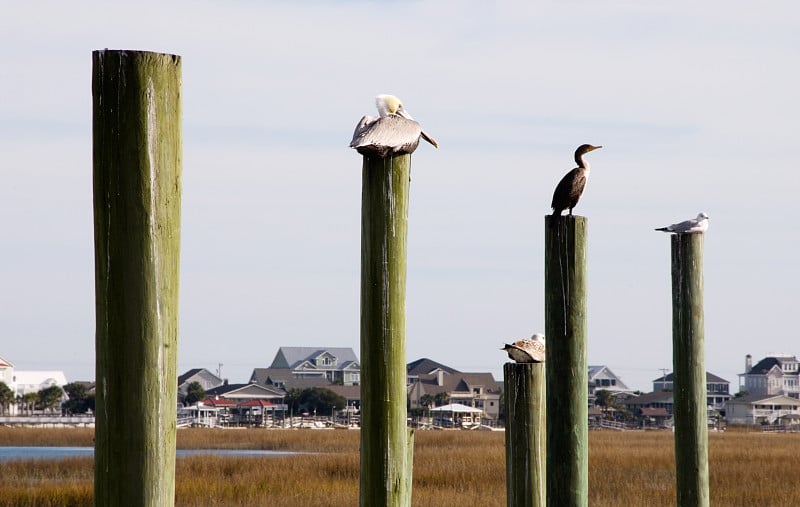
(389, 104)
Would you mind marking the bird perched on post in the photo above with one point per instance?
(699, 224)
(392, 132)
(526, 350)
(570, 188)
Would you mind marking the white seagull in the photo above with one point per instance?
(527, 350)
(699, 224)
(393, 132)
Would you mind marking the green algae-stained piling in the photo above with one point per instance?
(137, 201)
(567, 375)
(688, 356)
(524, 388)
(385, 439)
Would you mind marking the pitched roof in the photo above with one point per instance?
(654, 412)
(765, 365)
(458, 383)
(5, 363)
(765, 399)
(289, 357)
(710, 378)
(655, 397)
(426, 366)
(244, 391)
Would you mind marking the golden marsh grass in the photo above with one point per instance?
(450, 468)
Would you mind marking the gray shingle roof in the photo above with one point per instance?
(290, 357)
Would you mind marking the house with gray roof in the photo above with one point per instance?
(337, 365)
(754, 409)
(717, 389)
(775, 374)
(477, 390)
(202, 376)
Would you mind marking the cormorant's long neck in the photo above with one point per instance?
(582, 164)
(579, 160)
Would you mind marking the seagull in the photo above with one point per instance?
(392, 132)
(570, 188)
(699, 224)
(527, 350)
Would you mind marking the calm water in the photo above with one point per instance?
(7, 453)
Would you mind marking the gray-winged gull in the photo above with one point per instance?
(699, 224)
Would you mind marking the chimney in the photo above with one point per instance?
(748, 363)
(440, 378)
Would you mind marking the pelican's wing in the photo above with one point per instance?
(361, 129)
(389, 134)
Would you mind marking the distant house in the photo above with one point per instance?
(245, 392)
(336, 365)
(34, 381)
(200, 375)
(754, 409)
(249, 404)
(602, 378)
(717, 388)
(661, 400)
(773, 375)
(477, 390)
(7, 377)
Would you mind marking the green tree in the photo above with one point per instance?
(441, 398)
(80, 401)
(604, 399)
(27, 402)
(426, 400)
(314, 399)
(6, 397)
(194, 393)
(50, 398)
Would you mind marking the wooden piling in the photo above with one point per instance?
(137, 196)
(688, 356)
(567, 374)
(524, 393)
(386, 442)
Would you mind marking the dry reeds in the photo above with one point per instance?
(450, 468)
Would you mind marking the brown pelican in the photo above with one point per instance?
(699, 224)
(393, 132)
(527, 350)
(570, 188)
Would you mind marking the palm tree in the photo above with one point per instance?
(604, 399)
(6, 397)
(441, 398)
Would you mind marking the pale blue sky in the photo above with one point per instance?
(695, 103)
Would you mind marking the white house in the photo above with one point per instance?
(773, 375)
(7, 377)
(761, 409)
(35, 381)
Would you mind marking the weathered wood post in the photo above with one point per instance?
(386, 441)
(137, 198)
(567, 374)
(688, 356)
(524, 392)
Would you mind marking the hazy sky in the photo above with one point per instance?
(695, 103)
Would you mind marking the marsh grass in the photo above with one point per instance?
(450, 468)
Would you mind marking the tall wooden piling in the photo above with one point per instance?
(524, 393)
(137, 197)
(567, 374)
(688, 356)
(386, 441)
